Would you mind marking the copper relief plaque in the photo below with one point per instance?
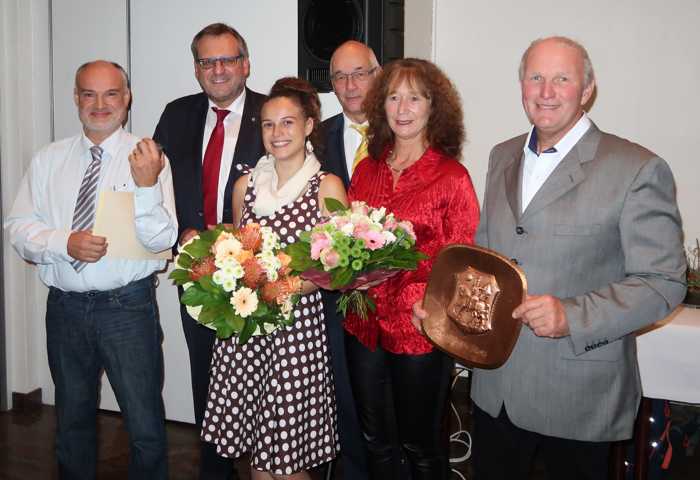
(473, 300)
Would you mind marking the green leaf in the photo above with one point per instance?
(333, 205)
(247, 331)
(263, 310)
(184, 260)
(199, 248)
(300, 253)
(209, 314)
(210, 236)
(179, 276)
(341, 277)
(208, 285)
(195, 296)
(305, 237)
(224, 330)
(233, 320)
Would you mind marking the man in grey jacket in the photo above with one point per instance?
(592, 220)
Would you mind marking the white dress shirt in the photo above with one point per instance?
(351, 141)
(41, 218)
(232, 126)
(538, 168)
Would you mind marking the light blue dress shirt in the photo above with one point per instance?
(39, 223)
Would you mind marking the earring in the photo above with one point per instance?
(309, 147)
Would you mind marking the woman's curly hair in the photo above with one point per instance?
(303, 94)
(445, 128)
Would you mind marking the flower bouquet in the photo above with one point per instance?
(237, 281)
(356, 248)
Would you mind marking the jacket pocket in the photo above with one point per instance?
(610, 352)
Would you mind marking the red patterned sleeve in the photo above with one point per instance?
(463, 219)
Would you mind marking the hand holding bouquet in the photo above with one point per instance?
(237, 281)
(357, 247)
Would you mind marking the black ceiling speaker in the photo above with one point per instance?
(325, 24)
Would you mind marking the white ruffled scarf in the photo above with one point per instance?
(269, 198)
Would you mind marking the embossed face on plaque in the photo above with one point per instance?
(471, 306)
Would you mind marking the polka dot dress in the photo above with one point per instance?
(273, 397)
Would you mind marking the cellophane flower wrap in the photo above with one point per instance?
(237, 281)
(355, 248)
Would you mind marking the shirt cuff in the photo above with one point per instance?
(145, 198)
(58, 245)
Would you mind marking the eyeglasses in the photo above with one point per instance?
(209, 63)
(357, 76)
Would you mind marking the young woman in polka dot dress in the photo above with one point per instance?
(273, 397)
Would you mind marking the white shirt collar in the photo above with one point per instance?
(235, 107)
(567, 142)
(349, 121)
(109, 145)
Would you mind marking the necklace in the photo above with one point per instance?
(391, 161)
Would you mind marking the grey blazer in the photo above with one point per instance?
(604, 235)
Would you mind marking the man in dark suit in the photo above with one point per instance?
(353, 69)
(205, 136)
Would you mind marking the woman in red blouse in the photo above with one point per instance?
(399, 380)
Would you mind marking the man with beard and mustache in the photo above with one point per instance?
(205, 136)
(101, 311)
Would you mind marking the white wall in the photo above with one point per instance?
(82, 30)
(24, 127)
(645, 54)
(418, 19)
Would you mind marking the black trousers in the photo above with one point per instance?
(401, 400)
(200, 341)
(503, 451)
(353, 453)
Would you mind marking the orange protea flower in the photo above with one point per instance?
(271, 291)
(249, 236)
(254, 275)
(293, 285)
(281, 290)
(243, 256)
(284, 260)
(203, 266)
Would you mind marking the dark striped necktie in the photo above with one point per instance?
(84, 216)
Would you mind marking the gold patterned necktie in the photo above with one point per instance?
(361, 151)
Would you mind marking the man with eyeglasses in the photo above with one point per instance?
(205, 136)
(353, 70)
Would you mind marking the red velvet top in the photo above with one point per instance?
(437, 196)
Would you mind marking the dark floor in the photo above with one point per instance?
(26, 446)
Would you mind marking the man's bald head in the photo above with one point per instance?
(353, 69)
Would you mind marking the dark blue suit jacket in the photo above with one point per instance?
(181, 130)
(334, 152)
(352, 444)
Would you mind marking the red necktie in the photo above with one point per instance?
(210, 169)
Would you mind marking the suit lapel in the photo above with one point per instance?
(196, 129)
(340, 149)
(513, 182)
(249, 127)
(568, 174)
